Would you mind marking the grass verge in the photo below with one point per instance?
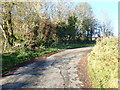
(103, 63)
(20, 55)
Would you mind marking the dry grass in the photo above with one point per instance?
(103, 63)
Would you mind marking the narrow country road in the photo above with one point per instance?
(56, 71)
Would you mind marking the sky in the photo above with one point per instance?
(101, 8)
(105, 9)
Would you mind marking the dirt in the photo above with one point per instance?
(83, 72)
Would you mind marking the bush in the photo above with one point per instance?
(103, 63)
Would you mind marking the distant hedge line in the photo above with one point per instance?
(103, 63)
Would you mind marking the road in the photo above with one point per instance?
(56, 71)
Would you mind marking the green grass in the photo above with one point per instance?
(19, 55)
(11, 59)
(103, 63)
(70, 46)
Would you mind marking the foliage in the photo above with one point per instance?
(61, 30)
(67, 32)
(103, 63)
(87, 23)
(31, 28)
(19, 55)
(72, 20)
(45, 23)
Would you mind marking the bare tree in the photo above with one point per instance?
(87, 22)
(107, 28)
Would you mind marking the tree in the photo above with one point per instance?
(67, 32)
(86, 20)
(72, 20)
(61, 31)
(106, 25)
(17, 19)
(7, 23)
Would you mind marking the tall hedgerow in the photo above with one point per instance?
(103, 63)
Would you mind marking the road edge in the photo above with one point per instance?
(83, 73)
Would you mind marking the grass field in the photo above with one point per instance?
(103, 63)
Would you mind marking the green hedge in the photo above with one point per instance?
(103, 63)
(17, 55)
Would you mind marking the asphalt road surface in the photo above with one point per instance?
(56, 71)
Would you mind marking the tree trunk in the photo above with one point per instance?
(91, 35)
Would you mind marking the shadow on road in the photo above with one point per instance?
(14, 85)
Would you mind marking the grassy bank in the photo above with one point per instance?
(19, 55)
(103, 63)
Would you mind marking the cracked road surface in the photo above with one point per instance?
(56, 71)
